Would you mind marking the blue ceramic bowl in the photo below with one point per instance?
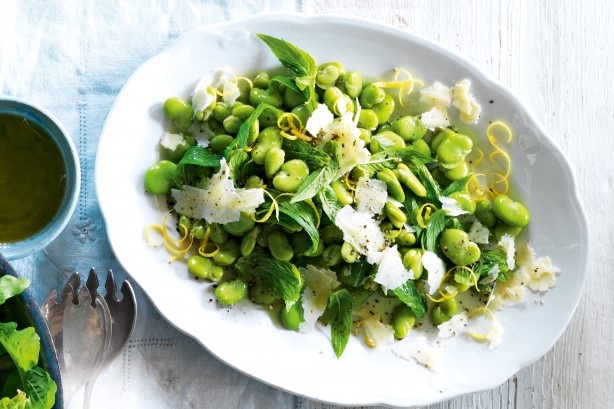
(24, 310)
(62, 139)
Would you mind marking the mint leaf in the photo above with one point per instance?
(463, 276)
(281, 277)
(409, 154)
(196, 155)
(340, 313)
(456, 186)
(300, 64)
(236, 166)
(433, 191)
(242, 137)
(314, 158)
(436, 224)
(305, 216)
(409, 295)
(378, 161)
(315, 182)
(488, 260)
(330, 204)
(356, 273)
(11, 286)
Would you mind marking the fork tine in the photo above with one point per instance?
(110, 286)
(127, 291)
(92, 285)
(73, 284)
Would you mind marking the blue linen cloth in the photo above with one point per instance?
(72, 57)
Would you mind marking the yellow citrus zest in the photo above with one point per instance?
(405, 87)
(274, 208)
(477, 160)
(487, 313)
(291, 127)
(174, 246)
(424, 214)
(349, 183)
(502, 177)
(477, 191)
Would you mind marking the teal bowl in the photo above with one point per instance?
(24, 310)
(51, 126)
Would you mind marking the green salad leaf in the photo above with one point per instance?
(11, 286)
(340, 313)
(32, 385)
(40, 388)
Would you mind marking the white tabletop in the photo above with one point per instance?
(557, 57)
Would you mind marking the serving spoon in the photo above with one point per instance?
(80, 328)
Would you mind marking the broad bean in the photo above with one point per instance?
(241, 226)
(412, 259)
(179, 111)
(353, 83)
(273, 161)
(268, 138)
(443, 311)
(383, 110)
(392, 184)
(371, 95)
(407, 177)
(402, 321)
(341, 193)
(410, 128)
(349, 253)
(280, 246)
(368, 119)
(396, 216)
(231, 292)
(159, 179)
(292, 317)
(484, 213)
(220, 142)
(465, 202)
(228, 253)
(266, 96)
(456, 245)
(203, 267)
(510, 212)
(248, 242)
(290, 176)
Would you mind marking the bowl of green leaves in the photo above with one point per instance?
(29, 370)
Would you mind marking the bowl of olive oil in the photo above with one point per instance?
(39, 178)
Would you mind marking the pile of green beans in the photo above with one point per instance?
(382, 124)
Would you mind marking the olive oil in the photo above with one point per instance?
(32, 178)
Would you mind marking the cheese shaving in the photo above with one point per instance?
(218, 201)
